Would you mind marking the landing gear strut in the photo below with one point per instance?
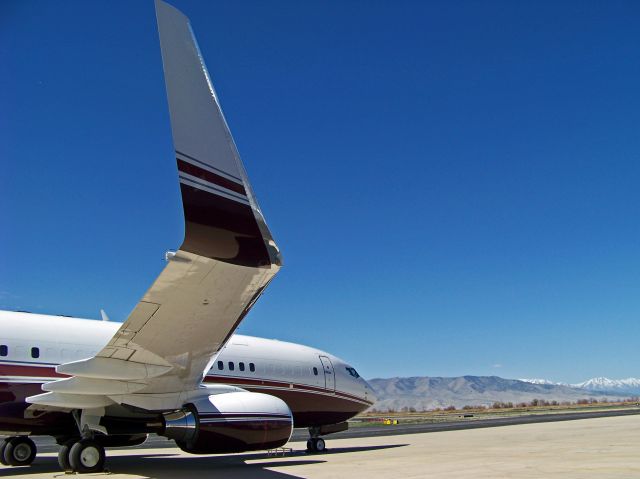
(17, 451)
(83, 454)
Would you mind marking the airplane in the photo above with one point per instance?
(175, 366)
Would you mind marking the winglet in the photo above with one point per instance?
(222, 218)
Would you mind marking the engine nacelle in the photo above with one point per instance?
(230, 422)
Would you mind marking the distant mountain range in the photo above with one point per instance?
(425, 393)
(616, 386)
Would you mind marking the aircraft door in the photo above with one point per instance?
(329, 376)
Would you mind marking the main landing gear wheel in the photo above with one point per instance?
(63, 455)
(18, 451)
(2, 446)
(316, 444)
(87, 455)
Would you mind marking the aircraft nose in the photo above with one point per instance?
(368, 392)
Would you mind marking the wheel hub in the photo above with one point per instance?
(90, 457)
(22, 452)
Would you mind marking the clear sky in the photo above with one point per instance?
(455, 186)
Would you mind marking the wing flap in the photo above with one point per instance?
(110, 368)
(70, 400)
(104, 387)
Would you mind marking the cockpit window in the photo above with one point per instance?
(353, 372)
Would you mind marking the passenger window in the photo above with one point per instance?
(35, 352)
(231, 367)
(220, 365)
(315, 371)
(4, 350)
(241, 366)
(252, 367)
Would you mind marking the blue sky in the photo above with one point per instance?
(454, 185)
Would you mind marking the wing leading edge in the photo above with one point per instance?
(226, 260)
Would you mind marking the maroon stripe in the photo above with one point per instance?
(49, 372)
(237, 238)
(241, 415)
(259, 382)
(30, 371)
(262, 382)
(209, 176)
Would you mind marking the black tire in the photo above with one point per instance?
(87, 455)
(310, 445)
(3, 445)
(320, 445)
(19, 451)
(63, 455)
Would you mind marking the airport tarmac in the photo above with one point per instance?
(604, 448)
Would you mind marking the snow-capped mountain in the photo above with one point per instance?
(424, 392)
(629, 385)
(542, 381)
(616, 386)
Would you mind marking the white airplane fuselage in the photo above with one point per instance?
(318, 387)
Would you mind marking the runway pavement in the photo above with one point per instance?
(471, 423)
(605, 447)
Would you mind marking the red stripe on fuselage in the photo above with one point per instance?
(30, 371)
(49, 372)
(241, 381)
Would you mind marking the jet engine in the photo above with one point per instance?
(230, 422)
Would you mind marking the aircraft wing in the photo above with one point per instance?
(209, 284)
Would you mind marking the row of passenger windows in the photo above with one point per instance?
(231, 366)
(4, 351)
(35, 353)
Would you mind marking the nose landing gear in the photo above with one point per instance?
(316, 444)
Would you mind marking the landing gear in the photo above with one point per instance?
(63, 455)
(316, 444)
(87, 455)
(17, 451)
(3, 445)
(82, 456)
